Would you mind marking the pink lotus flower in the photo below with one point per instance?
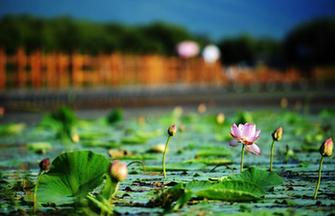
(246, 134)
(253, 149)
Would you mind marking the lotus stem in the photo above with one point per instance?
(115, 191)
(271, 154)
(242, 157)
(35, 194)
(35, 191)
(319, 179)
(164, 155)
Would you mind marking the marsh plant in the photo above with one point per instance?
(277, 135)
(246, 134)
(118, 172)
(326, 150)
(171, 132)
(44, 167)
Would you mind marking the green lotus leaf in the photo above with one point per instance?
(71, 177)
(231, 190)
(39, 147)
(262, 178)
(11, 129)
(183, 166)
(227, 190)
(247, 186)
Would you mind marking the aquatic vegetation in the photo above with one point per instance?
(63, 122)
(203, 174)
(171, 132)
(246, 134)
(326, 150)
(71, 177)
(44, 167)
(251, 185)
(115, 116)
(11, 129)
(277, 135)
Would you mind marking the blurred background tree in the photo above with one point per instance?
(307, 45)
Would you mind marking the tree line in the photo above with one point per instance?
(308, 44)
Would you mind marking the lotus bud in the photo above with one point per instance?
(277, 134)
(44, 164)
(75, 138)
(172, 130)
(220, 118)
(326, 149)
(118, 171)
(202, 108)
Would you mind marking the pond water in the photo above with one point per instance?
(198, 152)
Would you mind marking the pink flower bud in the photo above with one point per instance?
(327, 147)
(278, 134)
(172, 130)
(118, 171)
(44, 164)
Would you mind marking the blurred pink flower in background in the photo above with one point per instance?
(187, 49)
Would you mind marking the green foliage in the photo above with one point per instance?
(71, 177)
(115, 116)
(311, 43)
(68, 35)
(11, 129)
(39, 147)
(243, 117)
(261, 178)
(62, 121)
(250, 185)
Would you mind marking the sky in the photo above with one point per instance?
(214, 18)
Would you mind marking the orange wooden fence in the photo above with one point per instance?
(58, 70)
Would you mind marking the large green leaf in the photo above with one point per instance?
(71, 177)
(247, 186)
(231, 190)
(262, 178)
(227, 190)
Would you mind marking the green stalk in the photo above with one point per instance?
(35, 191)
(164, 154)
(242, 157)
(115, 191)
(271, 154)
(319, 179)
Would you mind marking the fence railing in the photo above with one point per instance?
(58, 70)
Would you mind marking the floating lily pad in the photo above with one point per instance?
(247, 186)
(71, 177)
(262, 178)
(11, 129)
(39, 147)
(177, 167)
(214, 152)
(211, 161)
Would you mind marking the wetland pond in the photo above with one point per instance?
(203, 169)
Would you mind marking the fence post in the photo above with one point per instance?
(36, 68)
(2, 69)
(21, 64)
